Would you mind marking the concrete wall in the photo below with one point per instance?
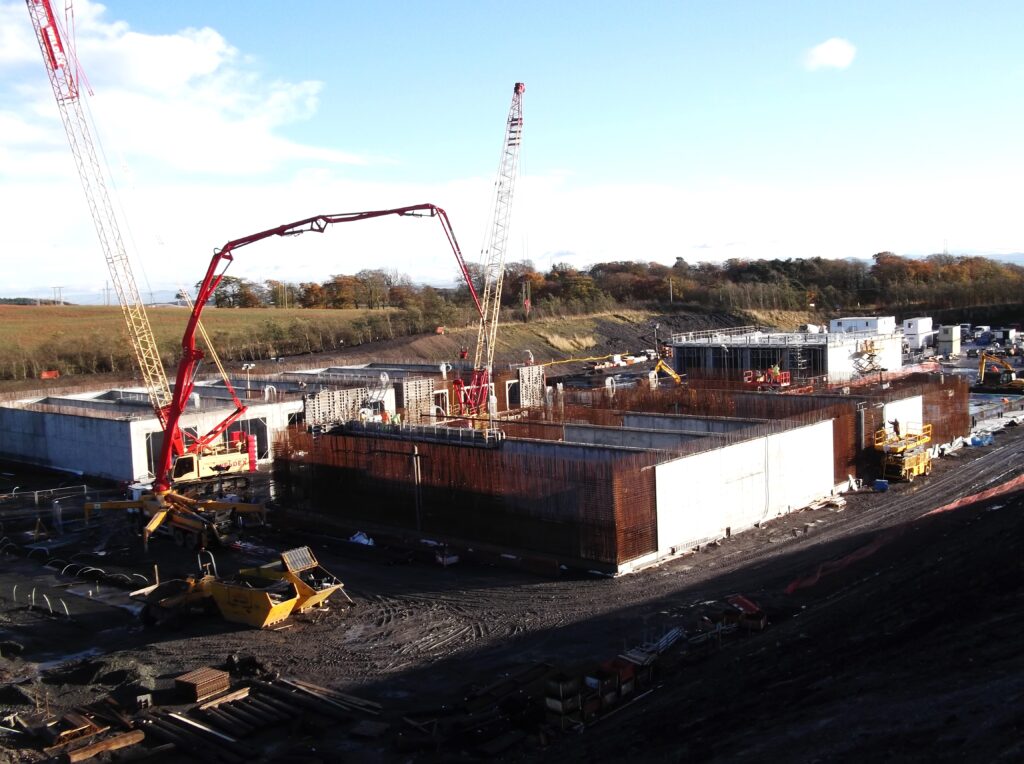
(691, 424)
(663, 440)
(100, 447)
(888, 355)
(908, 411)
(705, 496)
(553, 449)
(109, 448)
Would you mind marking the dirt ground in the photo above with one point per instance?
(911, 653)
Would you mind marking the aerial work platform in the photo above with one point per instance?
(916, 436)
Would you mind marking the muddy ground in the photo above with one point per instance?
(912, 653)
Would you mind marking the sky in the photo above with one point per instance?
(653, 130)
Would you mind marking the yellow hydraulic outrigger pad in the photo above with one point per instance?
(191, 520)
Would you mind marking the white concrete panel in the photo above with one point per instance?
(699, 496)
(889, 351)
(705, 496)
(909, 412)
(82, 444)
(800, 467)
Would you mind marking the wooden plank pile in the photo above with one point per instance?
(77, 734)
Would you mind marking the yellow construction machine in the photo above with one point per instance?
(905, 455)
(662, 366)
(1001, 376)
(257, 597)
(192, 523)
(300, 568)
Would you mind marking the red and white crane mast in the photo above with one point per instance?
(64, 73)
(475, 398)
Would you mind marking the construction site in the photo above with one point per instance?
(736, 542)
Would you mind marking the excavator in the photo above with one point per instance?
(664, 367)
(996, 375)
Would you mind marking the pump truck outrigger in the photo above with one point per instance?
(201, 522)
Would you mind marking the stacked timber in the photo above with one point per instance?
(203, 683)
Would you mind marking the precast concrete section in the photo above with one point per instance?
(706, 496)
(115, 435)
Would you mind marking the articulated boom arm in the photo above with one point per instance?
(191, 355)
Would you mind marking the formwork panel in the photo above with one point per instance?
(333, 406)
(531, 386)
(416, 397)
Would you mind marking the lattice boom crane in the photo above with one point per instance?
(473, 399)
(64, 73)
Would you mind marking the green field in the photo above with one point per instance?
(92, 339)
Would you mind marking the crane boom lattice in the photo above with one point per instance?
(474, 398)
(62, 70)
(494, 254)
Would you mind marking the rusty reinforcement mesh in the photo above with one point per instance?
(599, 509)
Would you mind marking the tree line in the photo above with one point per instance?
(885, 281)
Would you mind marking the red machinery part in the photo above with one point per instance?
(191, 355)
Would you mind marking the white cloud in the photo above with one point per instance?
(186, 102)
(834, 53)
(206, 134)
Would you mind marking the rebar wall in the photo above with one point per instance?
(584, 504)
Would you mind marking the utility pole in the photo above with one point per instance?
(670, 289)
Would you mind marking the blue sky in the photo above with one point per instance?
(705, 130)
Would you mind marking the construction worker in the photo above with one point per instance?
(776, 372)
(896, 427)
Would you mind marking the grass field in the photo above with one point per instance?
(92, 339)
(79, 341)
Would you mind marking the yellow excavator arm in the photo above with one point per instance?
(1008, 378)
(662, 366)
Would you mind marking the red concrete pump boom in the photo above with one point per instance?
(191, 355)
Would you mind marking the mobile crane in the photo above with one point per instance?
(198, 523)
(474, 397)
